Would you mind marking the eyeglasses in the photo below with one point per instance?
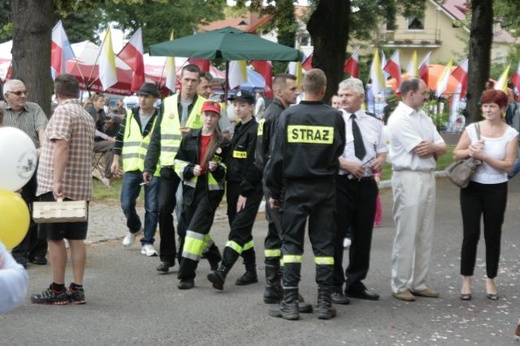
(19, 93)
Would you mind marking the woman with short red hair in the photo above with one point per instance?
(494, 143)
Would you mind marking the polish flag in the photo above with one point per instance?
(352, 64)
(203, 64)
(424, 67)
(265, 68)
(393, 68)
(61, 50)
(307, 63)
(515, 78)
(132, 55)
(107, 62)
(461, 74)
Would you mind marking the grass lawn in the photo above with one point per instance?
(112, 193)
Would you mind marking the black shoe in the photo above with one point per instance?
(164, 267)
(339, 298)
(248, 278)
(41, 261)
(76, 295)
(324, 308)
(217, 278)
(21, 262)
(49, 296)
(286, 311)
(186, 284)
(362, 293)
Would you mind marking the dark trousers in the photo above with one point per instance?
(316, 202)
(273, 241)
(168, 185)
(476, 201)
(34, 243)
(355, 210)
(198, 216)
(241, 223)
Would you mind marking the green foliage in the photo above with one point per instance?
(82, 24)
(437, 109)
(158, 18)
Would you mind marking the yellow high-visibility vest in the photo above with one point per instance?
(135, 145)
(171, 127)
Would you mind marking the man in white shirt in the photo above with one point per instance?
(356, 191)
(415, 145)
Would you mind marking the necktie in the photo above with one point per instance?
(359, 146)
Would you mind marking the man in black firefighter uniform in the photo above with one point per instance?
(285, 90)
(300, 177)
(356, 191)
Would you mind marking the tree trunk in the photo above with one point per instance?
(329, 27)
(33, 21)
(479, 57)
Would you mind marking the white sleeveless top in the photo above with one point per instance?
(495, 148)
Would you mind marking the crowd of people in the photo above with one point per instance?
(311, 162)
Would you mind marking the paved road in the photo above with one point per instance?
(128, 303)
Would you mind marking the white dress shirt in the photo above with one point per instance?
(408, 128)
(371, 129)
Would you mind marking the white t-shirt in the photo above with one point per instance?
(495, 148)
(13, 282)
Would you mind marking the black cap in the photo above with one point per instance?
(149, 89)
(243, 95)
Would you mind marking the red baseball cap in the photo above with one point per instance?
(211, 106)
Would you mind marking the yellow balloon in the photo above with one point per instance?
(14, 219)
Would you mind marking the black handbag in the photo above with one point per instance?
(461, 171)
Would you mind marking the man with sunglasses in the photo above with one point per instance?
(30, 118)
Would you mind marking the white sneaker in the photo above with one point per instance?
(346, 243)
(148, 250)
(130, 238)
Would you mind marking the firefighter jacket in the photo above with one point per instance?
(132, 140)
(188, 156)
(266, 131)
(240, 158)
(166, 136)
(309, 140)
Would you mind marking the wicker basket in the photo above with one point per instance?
(60, 211)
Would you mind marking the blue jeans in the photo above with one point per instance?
(129, 193)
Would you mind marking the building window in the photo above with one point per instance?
(415, 23)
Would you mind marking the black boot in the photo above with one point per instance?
(324, 308)
(249, 276)
(218, 277)
(273, 288)
(288, 308)
(213, 256)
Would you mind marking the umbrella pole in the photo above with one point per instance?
(226, 84)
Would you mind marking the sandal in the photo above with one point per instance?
(465, 296)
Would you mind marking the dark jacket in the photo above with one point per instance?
(266, 132)
(240, 158)
(309, 140)
(189, 151)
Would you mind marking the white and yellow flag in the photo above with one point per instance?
(171, 72)
(237, 73)
(442, 82)
(107, 62)
(501, 83)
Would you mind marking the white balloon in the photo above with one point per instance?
(17, 158)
